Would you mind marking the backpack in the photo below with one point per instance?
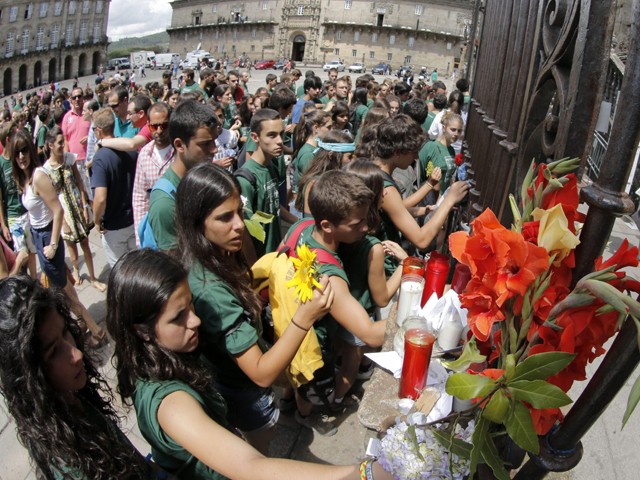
(270, 275)
(145, 233)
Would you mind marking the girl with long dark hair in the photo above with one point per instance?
(40, 199)
(60, 403)
(211, 231)
(179, 412)
(313, 125)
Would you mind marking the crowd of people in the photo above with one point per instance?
(361, 171)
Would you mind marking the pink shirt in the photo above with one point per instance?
(75, 128)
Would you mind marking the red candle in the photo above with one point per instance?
(418, 344)
(413, 266)
(435, 276)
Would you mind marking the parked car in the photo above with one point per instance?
(337, 64)
(264, 64)
(357, 67)
(121, 63)
(279, 65)
(381, 68)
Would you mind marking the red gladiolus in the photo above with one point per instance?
(459, 159)
(624, 257)
(544, 419)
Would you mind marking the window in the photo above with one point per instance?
(356, 36)
(235, 34)
(265, 5)
(8, 46)
(44, 7)
(57, 9)
(336, 51)
(83, 32)
(419, 10)
(354, 53)
(97, 31)
(253, 32)
(339, 35)
(13, 15)
(389, 57)
(412, 41)
(85, 6)
(300, 9)
(196, 20)
(40, 38)
(72, 7)
(372, 54)
(347, 4)
(392, 39)
(374, 37)
(407, 59)
(68, 38)
(28, 11)
(55, 35)
(99, 6)
(24, 44)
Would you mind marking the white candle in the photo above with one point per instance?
(410, 296)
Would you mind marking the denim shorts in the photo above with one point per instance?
(55, 268)
(249, 409)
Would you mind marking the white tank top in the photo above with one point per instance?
(39, 214)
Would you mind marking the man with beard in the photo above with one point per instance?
(193, 129)
(153, 161)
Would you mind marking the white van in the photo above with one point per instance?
(165, 60)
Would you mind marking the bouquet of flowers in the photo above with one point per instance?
(532, 333)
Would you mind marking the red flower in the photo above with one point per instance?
(544, 419)
(459, 159)
(624, 257)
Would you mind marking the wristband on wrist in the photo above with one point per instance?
(299, 326)
(366, 469)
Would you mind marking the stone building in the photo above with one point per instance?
(419, 33)
(49, 40)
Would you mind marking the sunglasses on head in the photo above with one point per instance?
(155, 126)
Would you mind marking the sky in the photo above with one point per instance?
(148, 16)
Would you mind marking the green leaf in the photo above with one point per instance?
(466, 386)
(521, 430)
(470, 355)
(490, 455)
(538, 393)
(542, 365)
(461, 448)
(255, 230)
(497, 407)
(632, 402)
(262, 217)
(478, 439)
(510, 367)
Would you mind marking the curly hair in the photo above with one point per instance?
(152, 276)
(202, 189)
(399, 134)
(59, 436)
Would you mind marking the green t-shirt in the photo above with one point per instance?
(226, 329)
(361, 112)
(10, 195)
(326, 327)
(166, 452)
(301, 163)
(441, 156)
(41, 136)
(324, 100)
(300, 91)
(194, 88)
(356, 263)
(264, 198)
(162, 208)
(230, 112)
(426, 125)
(388, 229)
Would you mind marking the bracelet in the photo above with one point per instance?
(299, 326)
(366, 469)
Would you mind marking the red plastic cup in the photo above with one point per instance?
(418, 345)
(435, 276)
(413, 266)
(461, 276)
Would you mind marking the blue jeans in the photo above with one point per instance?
(55, 268)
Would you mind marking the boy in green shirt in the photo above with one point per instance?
(193, 128)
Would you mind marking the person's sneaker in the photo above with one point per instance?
(318, 423)
(365, 372)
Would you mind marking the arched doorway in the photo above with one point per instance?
(297, 52)
(68, 62)
(95, 62)
(37, 74)
(52, 70)
(22, 77)
(82, 64)
(8, 87)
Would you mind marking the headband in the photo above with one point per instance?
(335, 147)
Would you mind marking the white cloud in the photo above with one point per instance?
(135, 18)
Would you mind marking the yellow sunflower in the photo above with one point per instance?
(304, 278)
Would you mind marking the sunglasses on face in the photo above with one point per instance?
(113, 106)
(76, 97)
(155, 126)
(22, 150)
